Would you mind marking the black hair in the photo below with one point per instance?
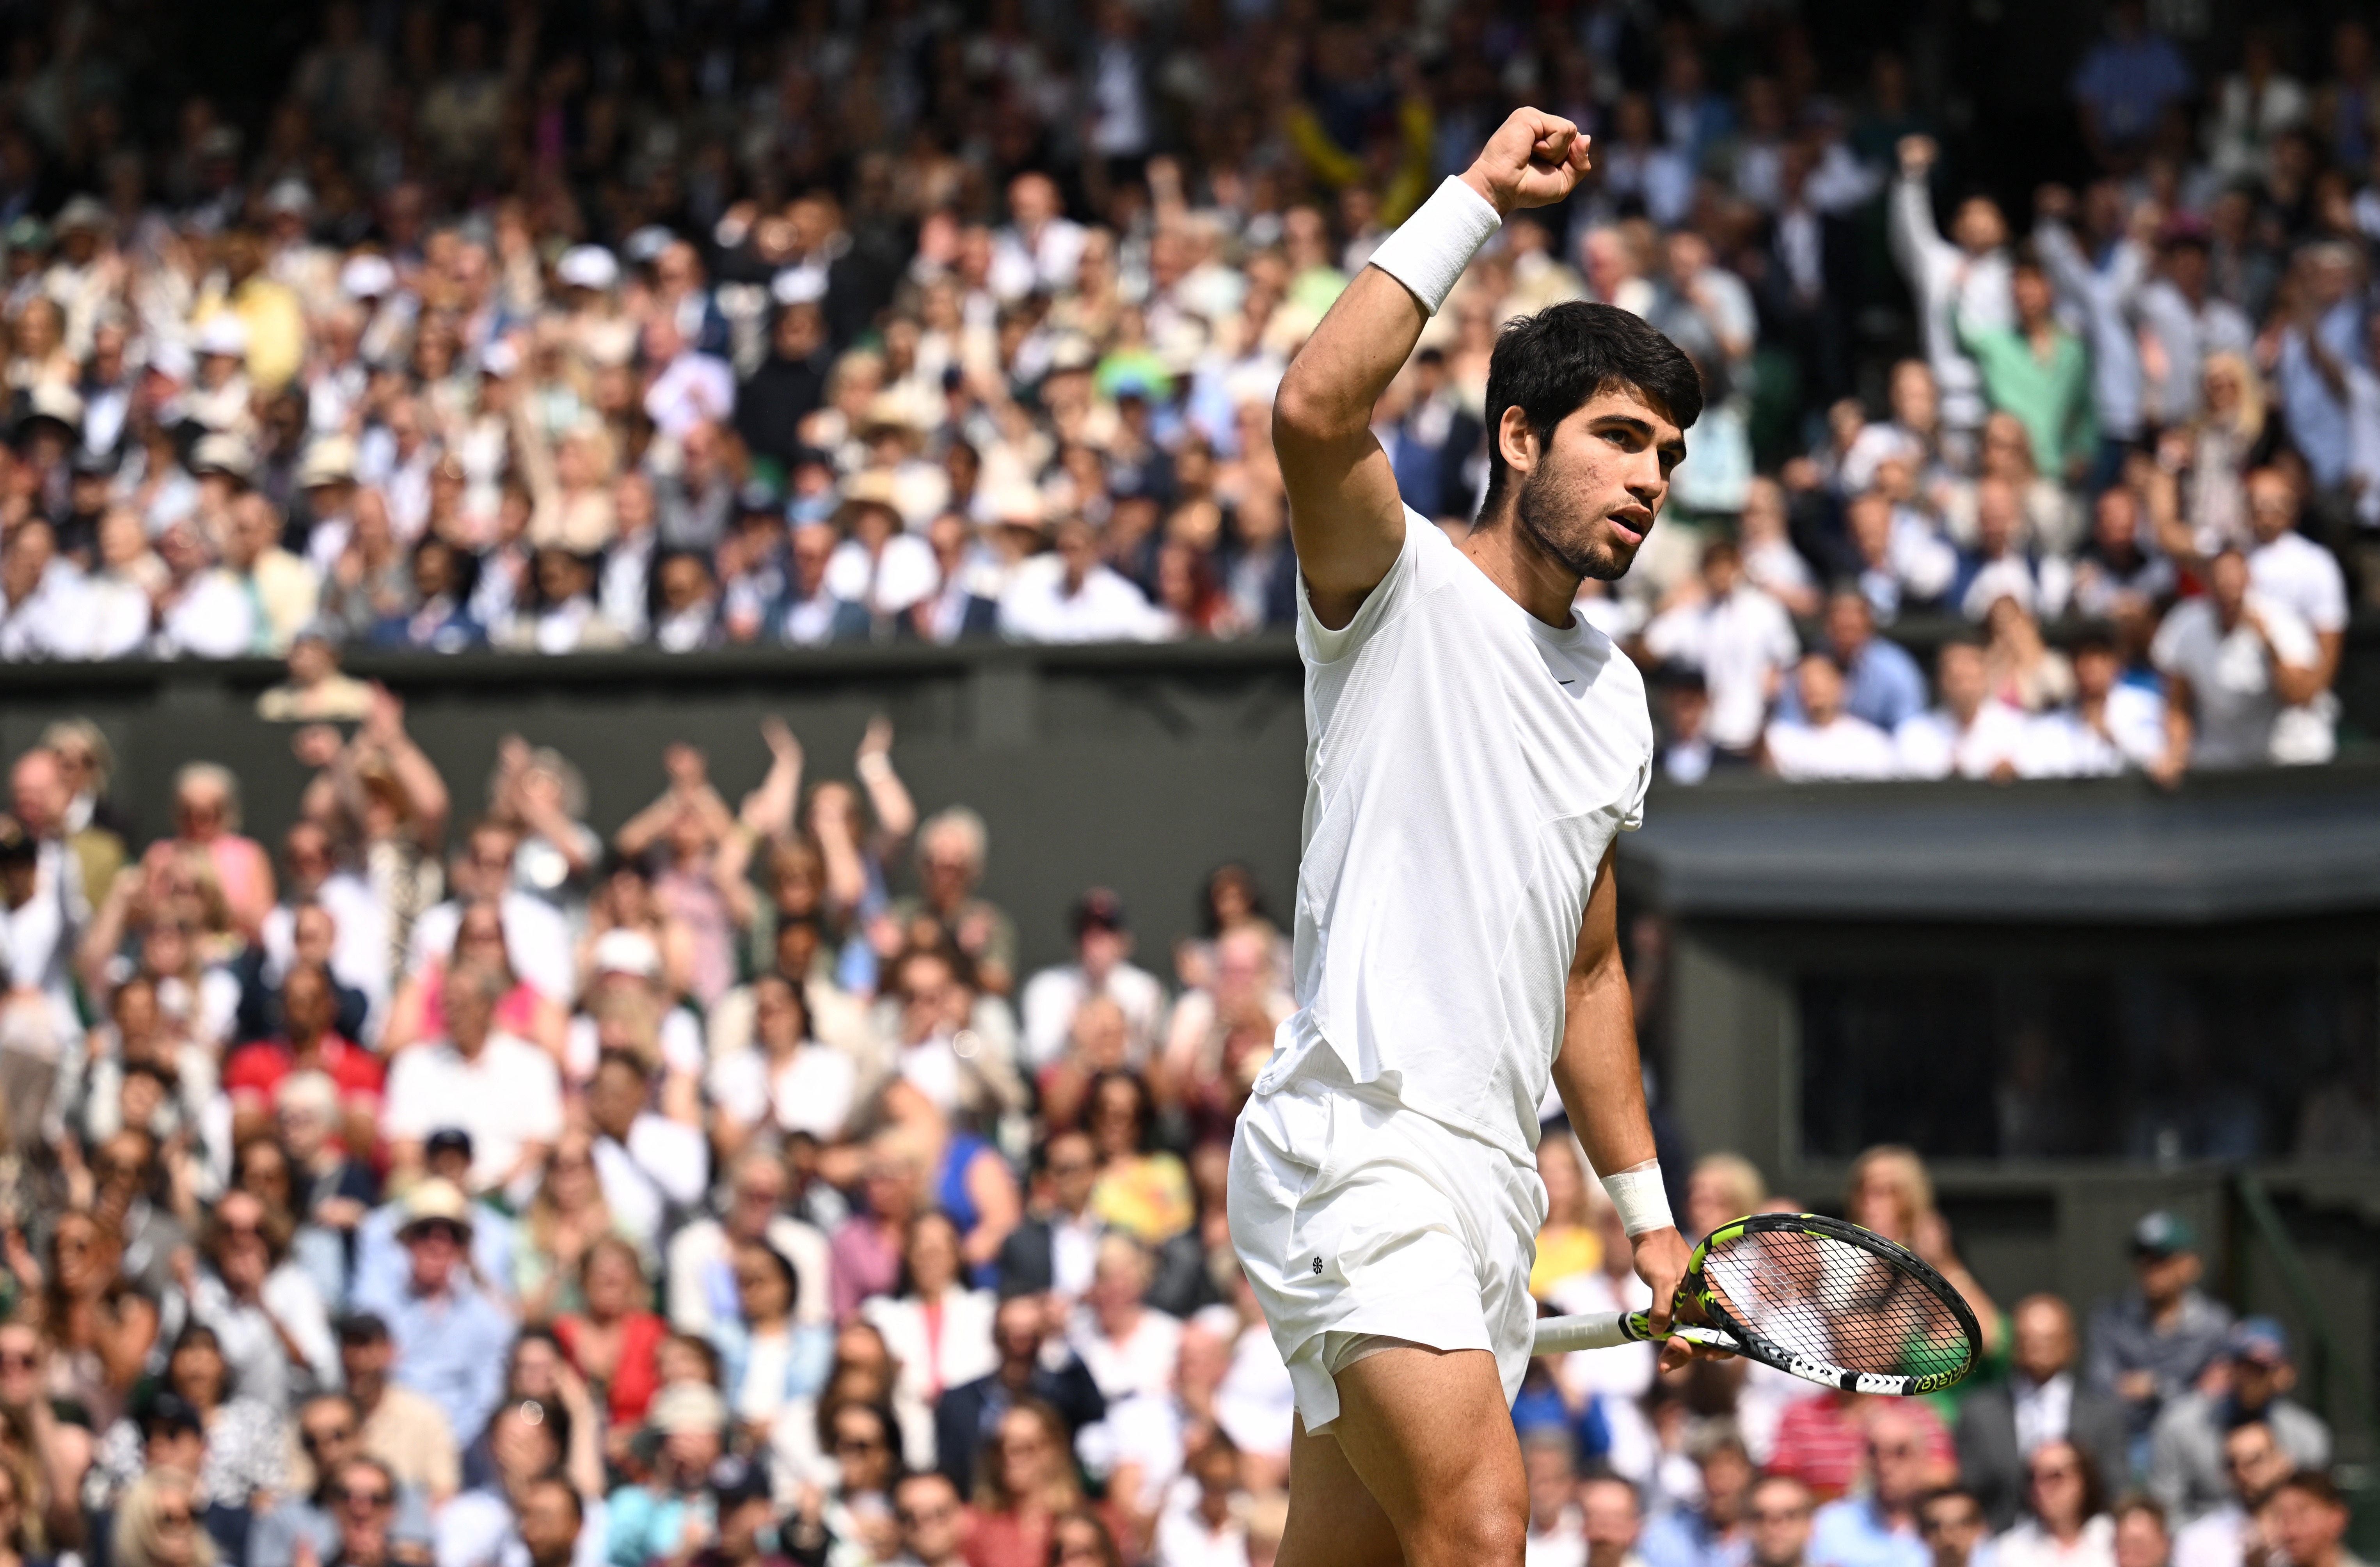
(1547, 365)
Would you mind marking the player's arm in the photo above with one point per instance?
(1344, 515)
(1602, 1087)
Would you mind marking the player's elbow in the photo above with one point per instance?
(1307, 415)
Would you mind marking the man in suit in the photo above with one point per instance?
(2042, 1400)
(1054, 1249)
(970, 1413)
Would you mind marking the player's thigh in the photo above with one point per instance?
(1333, 1520)
(1431, 1438)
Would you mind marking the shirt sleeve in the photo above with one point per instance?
(1321, 644)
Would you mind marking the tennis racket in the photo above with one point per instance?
(1818, 1297)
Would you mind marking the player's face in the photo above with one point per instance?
(1600, 480)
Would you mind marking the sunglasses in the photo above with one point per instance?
(860, 1444)
(316, 1440)
(374, 1497)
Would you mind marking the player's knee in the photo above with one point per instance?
(1478, 1524)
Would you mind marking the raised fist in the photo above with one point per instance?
(1534, 159)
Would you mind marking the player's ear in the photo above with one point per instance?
(1517, 440)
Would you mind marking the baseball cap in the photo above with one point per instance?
(2162, 1234)
(447, 1140)
(367, 275)
(2260, 1339)
(170, 1412)
(1098, 908)
(735, 1480)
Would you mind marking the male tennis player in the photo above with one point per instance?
(1473, 748)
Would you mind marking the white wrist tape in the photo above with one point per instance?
(1430, 249)
(1639, 1197)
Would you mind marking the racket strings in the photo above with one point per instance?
(1815, 1295)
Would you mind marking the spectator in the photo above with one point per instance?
(2309, 1520)
(1778, 1514)
(156, 1525)
(2232, 662)
(1724, 1524)
(1103, 966)
(2187, 1446)
(773, 1364)
(702, 1293)
(2124, 85)
(932, 1518)
(1826, 741)
(2066, 1507)
(2142, 1537)
(329, 1433)
(645, 1520)
(501, 1090)
(2151, 1343)
(1881, 683)
(951, 848)
(2000, 1429)
(447, 1335)
(1035, 1365)
(1972, 733)
(263, 1316)
(1556, 1533)
(1951, 1523)
(1740, 640)
(939, 1331)
(2254, 1464)
(1880, 1529)
(401, 1428)
(615, 1341)
(2036, 369)
(1963, 278)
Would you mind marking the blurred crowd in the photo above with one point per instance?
(550, 330)
(440, 1183)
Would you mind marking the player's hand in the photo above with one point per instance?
(1661, 1258)
(1534, 159)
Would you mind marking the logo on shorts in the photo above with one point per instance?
(1318, 1265)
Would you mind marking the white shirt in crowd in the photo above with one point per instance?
(811, 1092)
(2060, 745)
(1142, 1361)
(904, 574)
(1936, 745)
(661, 1163)
(509, 1095)
(1054, 996)
(1742, 643)
(2043, 1410)
(537, 940)
(2233, 700)
(2296, 571)
(1105, 608)
(1847, 747)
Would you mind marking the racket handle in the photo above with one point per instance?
(1600, 1330)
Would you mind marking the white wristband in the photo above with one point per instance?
(1638, 1195)
(1430, 249)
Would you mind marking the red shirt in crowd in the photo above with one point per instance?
(1822, 1441)
(256, 1070)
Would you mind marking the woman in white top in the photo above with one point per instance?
(784, 1077)
(2066, 1522)
(938, 1330)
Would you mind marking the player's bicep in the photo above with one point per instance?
(1345, 519)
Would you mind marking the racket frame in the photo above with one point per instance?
(1719, 1329)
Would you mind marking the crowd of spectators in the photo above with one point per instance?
(561, 330)
(452, 1186)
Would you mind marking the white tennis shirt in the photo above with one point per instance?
(1466, 767)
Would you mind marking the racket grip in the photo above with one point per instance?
(1601, 1329)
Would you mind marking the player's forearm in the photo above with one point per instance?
(1598, 1074)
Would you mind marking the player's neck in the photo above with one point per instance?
(1517, 564)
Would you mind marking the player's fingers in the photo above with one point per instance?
(1677, 1354)
(1578, 152)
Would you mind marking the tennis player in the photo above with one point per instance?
(1472, 747)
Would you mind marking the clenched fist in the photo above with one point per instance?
(1534, 159)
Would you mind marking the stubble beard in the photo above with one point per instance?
(1547, 513)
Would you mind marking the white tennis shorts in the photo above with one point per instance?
(1357, 1218)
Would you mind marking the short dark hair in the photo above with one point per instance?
(2315, 1483)
(1547, 365)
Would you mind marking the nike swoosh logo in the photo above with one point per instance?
(1569, 683)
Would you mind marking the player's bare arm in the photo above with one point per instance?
(1602, 1087)
(1344, 515)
